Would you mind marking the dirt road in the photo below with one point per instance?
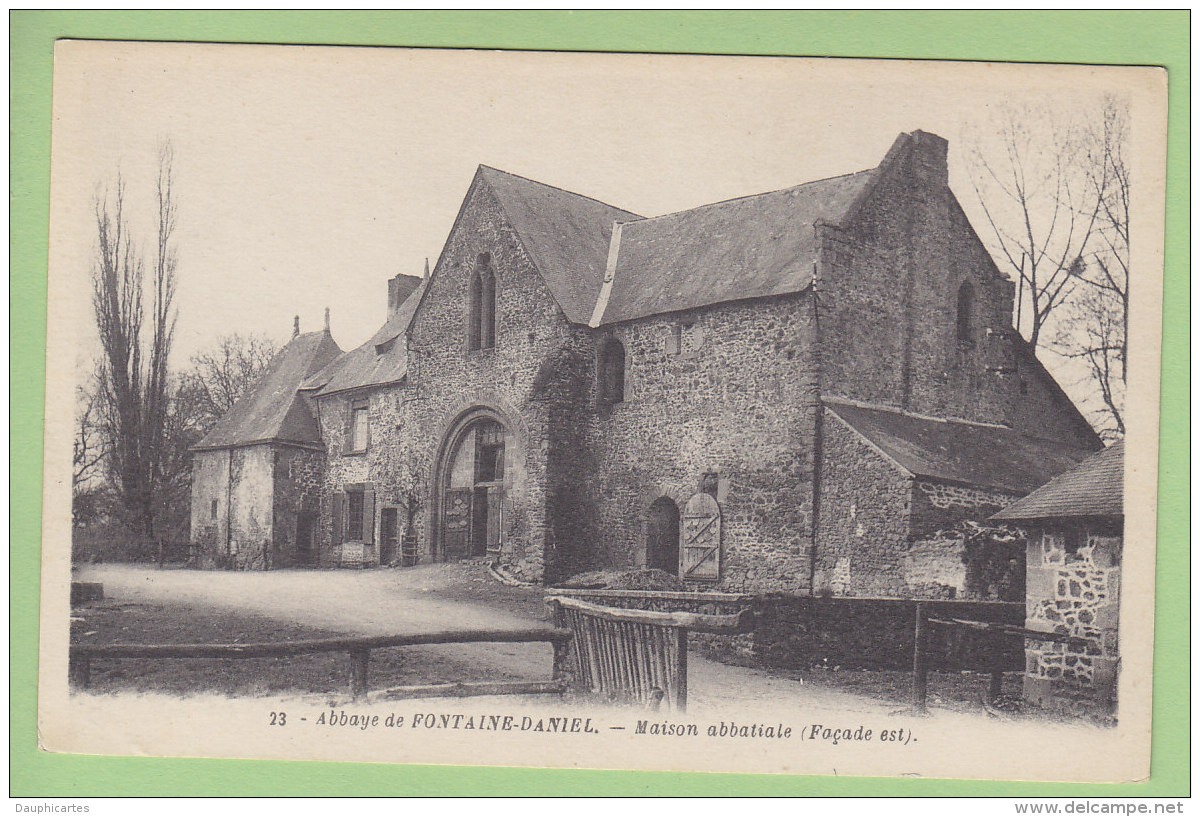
(432, 598)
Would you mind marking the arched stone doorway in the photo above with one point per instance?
(471, 488)
(662, 536)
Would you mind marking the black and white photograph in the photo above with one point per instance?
(613, 411)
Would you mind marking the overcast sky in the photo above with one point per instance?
(307, 176)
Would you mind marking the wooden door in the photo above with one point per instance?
(456, 524)
(495, 518)
(389, 535)
(700, 540)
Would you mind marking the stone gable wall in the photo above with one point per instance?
(409, 422)
(890, 285)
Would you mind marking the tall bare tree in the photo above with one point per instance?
(223, 373)
(1039, 208)
(1095, 330)
(132, 375)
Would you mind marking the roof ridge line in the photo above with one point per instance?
(847, 401)
(561, 190)
(754, 195)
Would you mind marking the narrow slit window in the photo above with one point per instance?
(612, 372)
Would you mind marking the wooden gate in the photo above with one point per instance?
(700, 540)
(635, 656)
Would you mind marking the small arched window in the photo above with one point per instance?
(481, 320)
(966, 310)
(612, 371)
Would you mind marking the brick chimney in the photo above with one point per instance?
(399, 288)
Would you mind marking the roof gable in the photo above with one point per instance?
(1095, 487)
(273, 410)
(381, 360)
(984, 456)
(566, 235)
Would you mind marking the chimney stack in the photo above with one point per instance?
(399, 288)
(326, 319)
(296, 327)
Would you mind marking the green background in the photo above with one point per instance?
(1129, 37)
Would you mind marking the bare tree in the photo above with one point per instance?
(88, 449)
(1095, 330)
(1040, 210)
(220, 375)
(132, 373)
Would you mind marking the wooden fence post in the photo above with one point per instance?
(996, 660)
(920, 661)
(358, 673)
(681, 673)
(79, 669)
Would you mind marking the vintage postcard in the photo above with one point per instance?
(604, 411)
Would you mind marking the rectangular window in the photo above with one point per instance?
(354, 516)
(359, 429)
(213, 509)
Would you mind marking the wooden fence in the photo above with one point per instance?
(359, 651)
(636, 656)
(993, 632)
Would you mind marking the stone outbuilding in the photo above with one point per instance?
(259, 473)
(1073, 582)
(782, 392)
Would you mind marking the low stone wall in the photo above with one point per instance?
(859, 633)
(798, 632)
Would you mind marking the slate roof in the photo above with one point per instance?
(273, 411)
(979, 455)
(566, 234)
(1095, 487)
(382, 359)
(742, 248)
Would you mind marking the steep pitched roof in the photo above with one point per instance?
(742, 248)
(1095, 487)
(567, 236)
(382, 359)
(273, 411)
(974, 454)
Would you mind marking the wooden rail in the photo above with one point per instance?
(993, 631)
(359, 649)
(636, 655)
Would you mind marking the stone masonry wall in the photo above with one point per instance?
(299, 485)
(728, 391)
(210, 505)
(890, 284)
(409, 423)
(1073, 587)
(863, 530)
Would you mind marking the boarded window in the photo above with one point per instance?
(360, 429)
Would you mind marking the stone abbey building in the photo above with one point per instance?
(792, 391)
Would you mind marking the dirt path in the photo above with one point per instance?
(433, 598)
